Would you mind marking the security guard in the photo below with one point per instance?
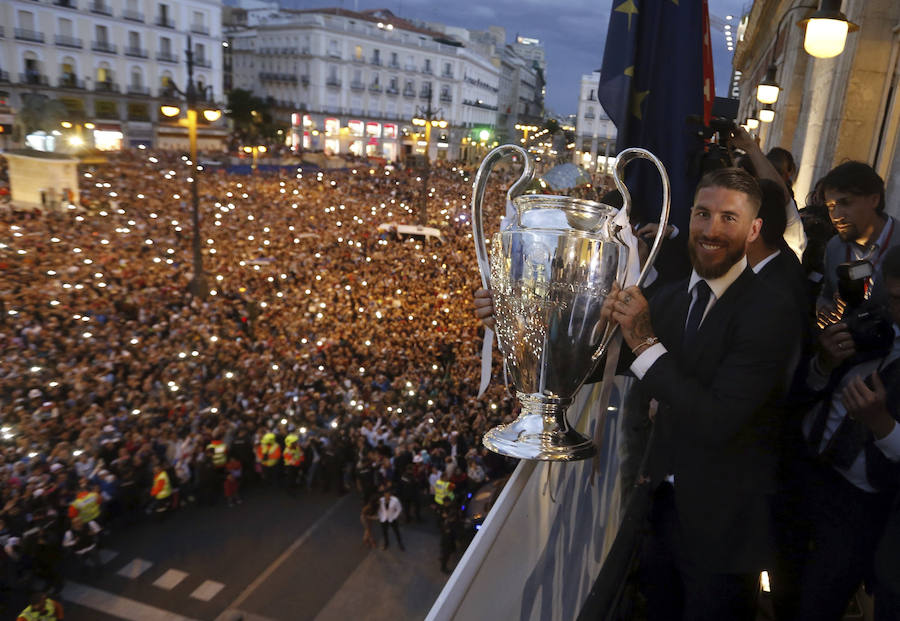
(162, 489)
(443, 490)
(219, 453)
(293, 459)
(86, 505)
(268, 455)
(41, 608)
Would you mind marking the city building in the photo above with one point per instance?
(531, 50)
(352, 82)
(828, 110)
(595, 133)
(111, 63)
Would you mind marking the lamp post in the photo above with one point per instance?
(197, 286)
(254, 150)
(427, 118)
(525, 129)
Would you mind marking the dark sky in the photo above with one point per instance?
(572, 32)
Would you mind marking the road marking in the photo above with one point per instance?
(116, 605)
(268, 571)
(135, 568)
(170, 579)
(107, 555)
(207, 590)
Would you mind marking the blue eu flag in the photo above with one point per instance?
(652, 86)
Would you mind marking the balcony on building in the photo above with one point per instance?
(167, 57)
(409, 67)
(104, 46)
(70, 81)
(33, 77)
(333, 54)
(392, 90)
(304, 80)
(2, 34)
(134, 16)
(375, 88)
(357, 85)
(201, 61)
(427, 71)
(67, 41)
(24, 34)
(589, 114)
(409, 92)
(164, 22)
(359, 59)
(425, 94)
(375, 61)
(394, 64)
(66, 4)
(446, 97)
(106, 86)
(138, 89)
(101, 8)
(333, 81)
(4, 77)
(136, 52)
(199, 29)
(447, 74)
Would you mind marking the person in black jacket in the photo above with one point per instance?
(714, 352)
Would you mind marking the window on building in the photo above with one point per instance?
(376, 57)
(164, 15)
(65, 27)
(137, 78)
(165, 46)
(104, 74)
(394, 61)
(26, 20)
(427, 65)
(101, 34)
(334, 47)
(358, 52)
(199, 52)
(134, 39)
(199, 19)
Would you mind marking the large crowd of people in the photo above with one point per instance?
(328, 353)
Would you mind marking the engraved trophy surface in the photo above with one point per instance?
(549, 272)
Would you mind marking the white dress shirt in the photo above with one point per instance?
(390, 512)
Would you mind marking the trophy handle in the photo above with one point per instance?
(622, 161)
(478, 198)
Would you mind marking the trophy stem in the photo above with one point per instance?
(540, 432)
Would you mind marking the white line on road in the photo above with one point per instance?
(207, 590)
(170, 579)
(268, 571)
(135, 568)
(107, 555)
(116, 605)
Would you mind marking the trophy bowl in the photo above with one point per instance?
(549, 272)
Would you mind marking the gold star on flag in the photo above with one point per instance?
(637, 98)
(629, 71)
(629, 9)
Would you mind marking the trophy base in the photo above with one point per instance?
(539, 437)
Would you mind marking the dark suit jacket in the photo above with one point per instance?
(785, 274)
(716, 421)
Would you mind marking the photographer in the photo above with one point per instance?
(851, 433)
(854, 196)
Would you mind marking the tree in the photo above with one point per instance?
(252, 117)
(38, 113)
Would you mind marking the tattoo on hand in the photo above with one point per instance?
(642, 328)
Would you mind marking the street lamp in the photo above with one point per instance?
(197, 285)
(427, 118)
(767, 114)
(826, 30)
(524, 129)
(254, 151)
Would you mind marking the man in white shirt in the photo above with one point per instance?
(389, 510)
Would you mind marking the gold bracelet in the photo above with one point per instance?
(650, 341)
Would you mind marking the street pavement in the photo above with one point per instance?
(274, 557)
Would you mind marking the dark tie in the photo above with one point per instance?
(696, 314)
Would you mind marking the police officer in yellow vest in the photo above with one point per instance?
(161, 490)
(86, 504)
(41, 608)
(293, 459)
(268, 454)
(219, 453)
(443, 491)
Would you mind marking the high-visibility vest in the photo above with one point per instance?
(293, 456)
(162, 488)
(47, 614)
(219, 453)
(442, 491)
(86, 506)
(268, 455)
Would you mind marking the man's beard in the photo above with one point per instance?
(709, 271)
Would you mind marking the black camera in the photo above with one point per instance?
(869, 324)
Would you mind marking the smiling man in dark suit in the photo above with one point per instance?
(714, 351)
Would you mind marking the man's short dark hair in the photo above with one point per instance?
(736, 179)
(855, 178)
(890, 266)
(774, 218)
(782, 159)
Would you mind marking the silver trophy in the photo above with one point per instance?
(549, 271)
